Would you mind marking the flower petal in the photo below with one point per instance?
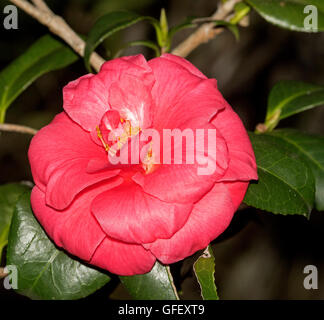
(242, 165)
(184, 63)
(75, 229)
(136, 66)
(180, 96)
(70, 178)
(237, 191)
(128, 214)
(60, 168)
(123, 258)
(132, 99)
(208, 219)
(87, 98)
(187, 182)
(60, 142)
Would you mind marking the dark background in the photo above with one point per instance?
(261, 255)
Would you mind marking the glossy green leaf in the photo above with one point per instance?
(144, 43)
(107, 25)
(289, 14)
(240, 11)
(9, 195)
(204, 269)
(291, 97)
(230, 26)
(286, 183)
(44, 271)
(188, 23)
(311, 149)
(45, 55)
(164, 27)
(154, 285)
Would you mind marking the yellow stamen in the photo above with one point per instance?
(101, 139)
(128, 131)
(148, 164)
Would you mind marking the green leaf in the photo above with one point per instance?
(188, 23)
(107, 25)
(311, 149)
(44, 271)
(240, 11)
(288, 14)
(45, 55)
(204, 269)
(162, 32)
(9, 195)
(154, 285)
(164, 24)
(291, 97)
(144, 43)
(286, 183)
(230, 26)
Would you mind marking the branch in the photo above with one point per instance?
(40, 4)
(17, 128)
(205, 32)
(57, 25)
(2, 273)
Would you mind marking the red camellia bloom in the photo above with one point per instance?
(124, 216)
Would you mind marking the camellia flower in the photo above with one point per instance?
(124, 216)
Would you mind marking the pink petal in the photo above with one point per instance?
(127, 158)
(136, 66)
(74, 229)
(208, 219)
(70, 178)
(59, 155)
(128, 214)
(184, 182)
(132, 99)
(184, 63)
(242, 164)
(86, 99)
(201, 104)
(110, 122)
(123, 258)
(180, 96)
(60, 142)
(237, 191)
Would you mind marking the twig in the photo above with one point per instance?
(205, 32)
(17, 128)
(2, 273)
(58, 26)
(40, 4)
(261, 128)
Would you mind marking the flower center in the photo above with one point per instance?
(116, 134)
(148, 164)
(114, 131)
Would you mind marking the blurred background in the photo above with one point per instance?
(261, 255)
